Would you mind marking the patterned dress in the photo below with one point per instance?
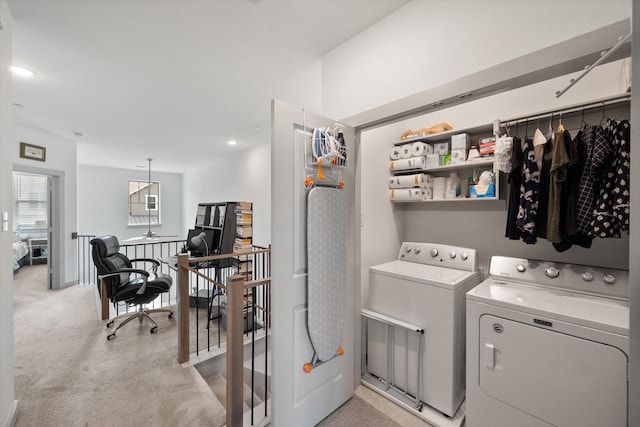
(596, 149)
(611, 207)
(529, 193)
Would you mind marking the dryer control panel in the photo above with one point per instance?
(440, 255)
(572, 277)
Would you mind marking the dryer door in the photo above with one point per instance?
(558, 378)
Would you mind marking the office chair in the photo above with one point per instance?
(125, 284)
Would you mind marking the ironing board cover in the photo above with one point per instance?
(327, 257)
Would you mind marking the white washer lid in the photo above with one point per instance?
(442, 277)
(597, 312)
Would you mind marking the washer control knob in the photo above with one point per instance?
(417, 250)
(609, 279)
(464, 256)
(433, 252)
(452, 254)
(521, 268)
(407, 249)
(587, 277)
(551, 272)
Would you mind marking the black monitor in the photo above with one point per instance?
(212, 245)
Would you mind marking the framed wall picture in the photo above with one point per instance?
(33, 152)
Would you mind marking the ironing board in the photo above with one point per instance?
(327, 257)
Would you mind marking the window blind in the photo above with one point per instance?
(30, 195)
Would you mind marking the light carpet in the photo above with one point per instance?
(68, 374)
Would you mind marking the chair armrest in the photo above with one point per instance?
(155, 263)
(151, 260)
(144, 273)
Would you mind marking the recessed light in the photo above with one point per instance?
(231, 142)
(21, 71)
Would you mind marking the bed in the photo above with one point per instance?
(20, 251)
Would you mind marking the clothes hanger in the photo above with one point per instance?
(560, 126)
(604, 118)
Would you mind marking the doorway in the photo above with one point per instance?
(36, 220)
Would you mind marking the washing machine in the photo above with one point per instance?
(547, 345)
(414, 328)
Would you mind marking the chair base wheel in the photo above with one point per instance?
(153, 330)
(111, 336)
(170, 315)
(110, 324)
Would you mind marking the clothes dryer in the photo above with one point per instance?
(547, 345)
(422, 291)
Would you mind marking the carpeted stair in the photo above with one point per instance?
(218, 384)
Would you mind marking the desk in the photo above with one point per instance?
(38, 249)
(200, 298)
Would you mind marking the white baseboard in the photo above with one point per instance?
(13, 414)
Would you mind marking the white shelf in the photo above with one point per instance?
(468, 199)
(449, 167)
(488, 128)
(475, 132)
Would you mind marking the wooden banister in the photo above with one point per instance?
(104, 300)
(183, 308)
(235, 351)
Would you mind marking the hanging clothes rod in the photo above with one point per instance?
(567, 110)
(621, 41)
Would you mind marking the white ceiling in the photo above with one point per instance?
(172, 79)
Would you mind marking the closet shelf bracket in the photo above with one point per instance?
(621, 41)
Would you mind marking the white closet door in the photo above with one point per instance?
(299, 398)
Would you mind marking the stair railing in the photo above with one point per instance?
(246, 294)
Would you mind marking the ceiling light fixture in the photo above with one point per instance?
(21, 71)
(231, 142)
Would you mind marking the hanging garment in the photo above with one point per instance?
(558, 174)
(539, 142)
(611, 210)
(543, 160)
(529, 191)
(515, 180)
(578, 154)
(596, 144)
(622, 183)
(503, 153)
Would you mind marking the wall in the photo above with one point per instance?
(60, 161)
(478, 225)
(244, 176)
(427, 43)
(8, 404)
(104, 204)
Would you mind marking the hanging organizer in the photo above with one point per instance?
(325, 157)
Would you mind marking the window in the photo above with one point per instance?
(144, 203)
(30, 197)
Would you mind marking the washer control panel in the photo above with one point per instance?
(441, 255)
(573, 277)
